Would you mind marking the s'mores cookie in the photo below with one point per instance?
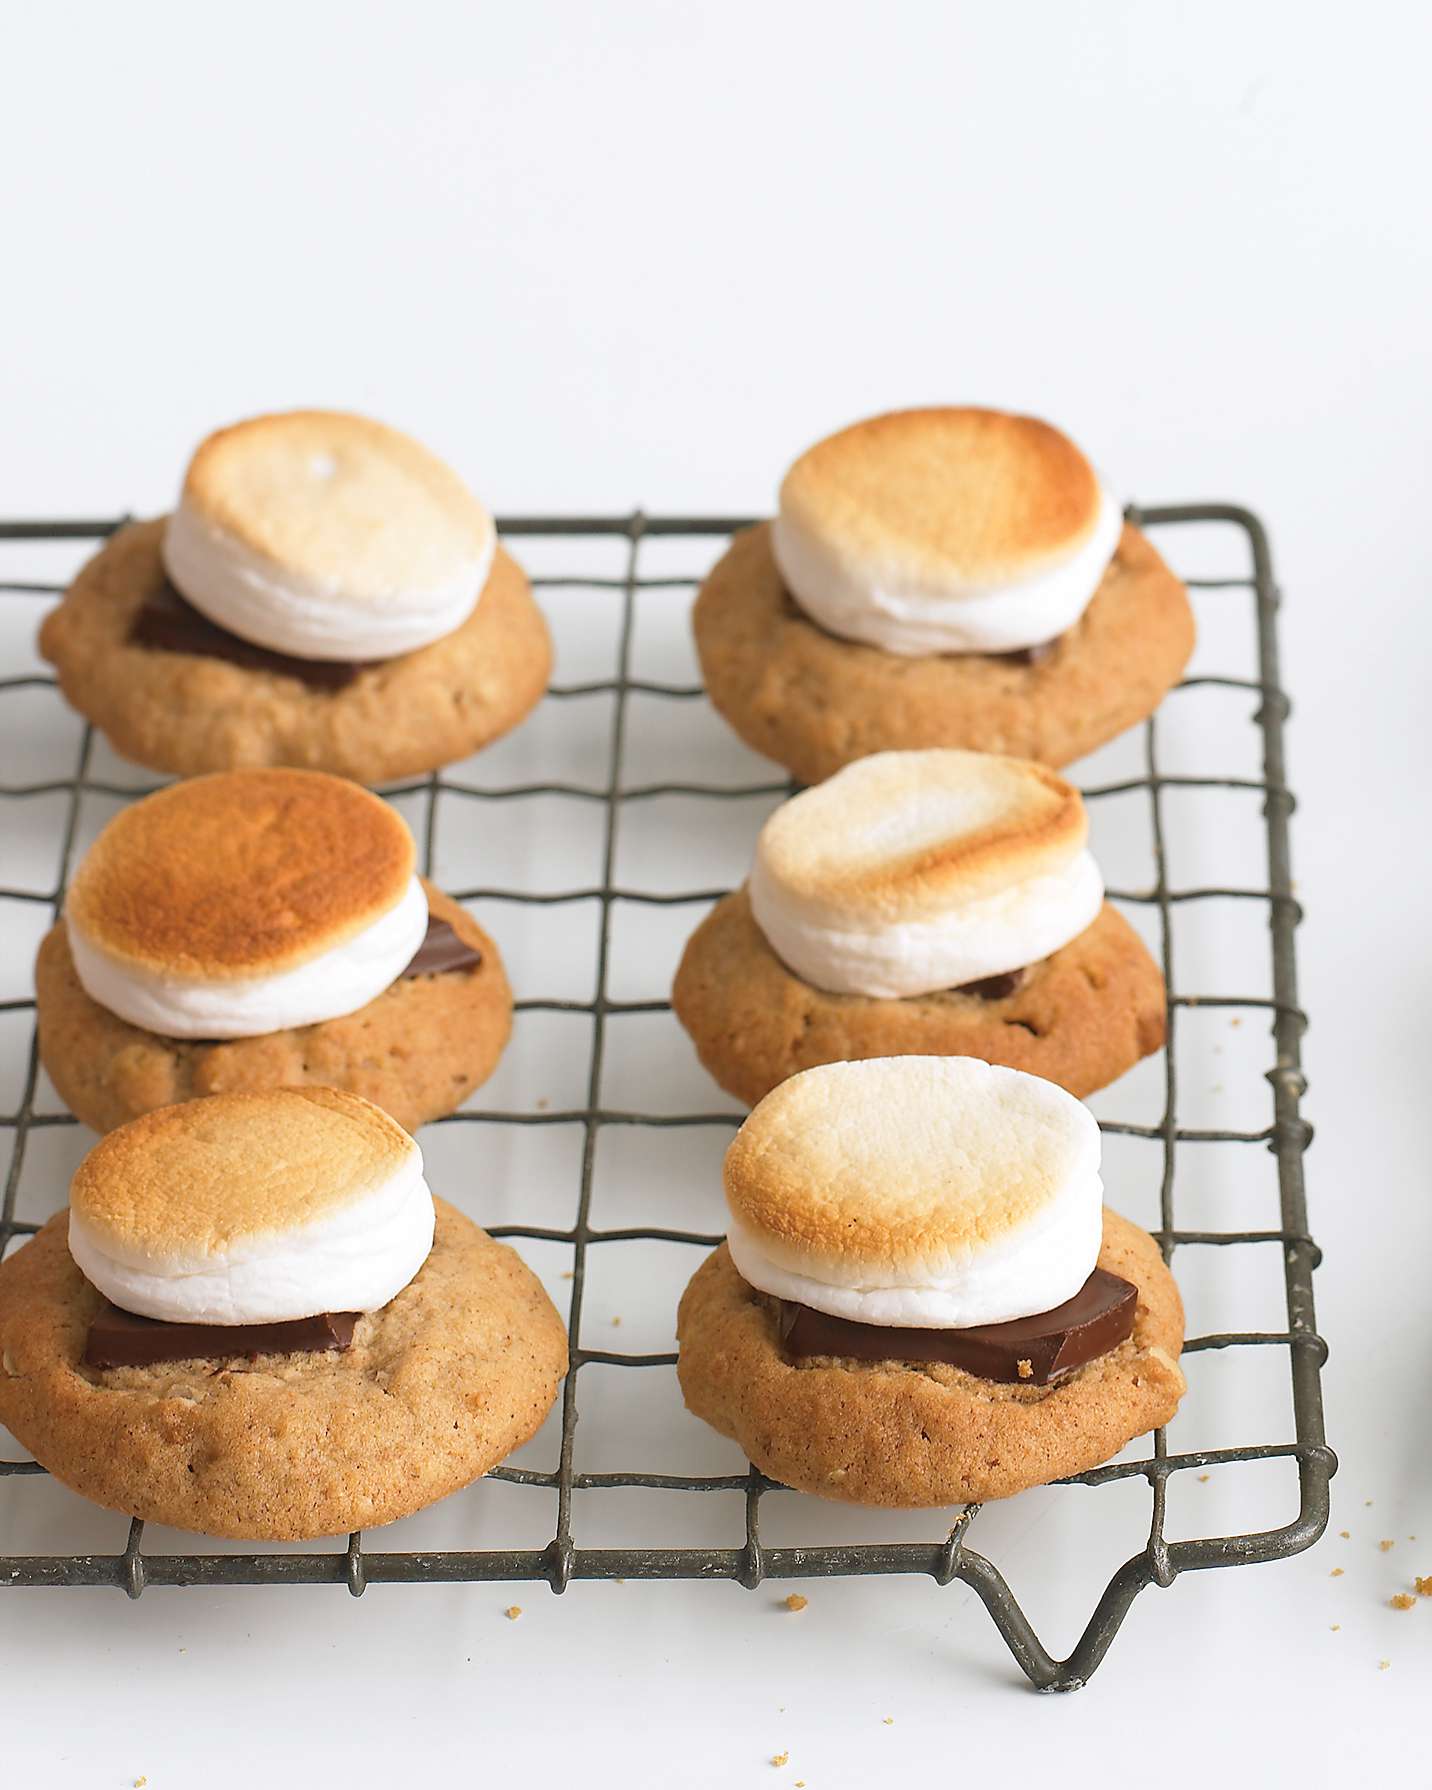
(922, 903)
(921, 1299)
(255, 1321)
(940, 577)
(254, 928)
(327, 594)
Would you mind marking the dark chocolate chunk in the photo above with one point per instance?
(166, 623)
(123, 1339)
(1030, 1351)
(441, 950)
(994, 988)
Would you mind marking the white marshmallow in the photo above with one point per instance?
(881, 604)
(354, 1259)
(326, 987)
(261, 601)
(1030, 1271)
(971, 939)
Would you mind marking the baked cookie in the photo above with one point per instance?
(945, 577)
(255, 928)
(327, 594)
(255, 1321)
(922, 903)
(921, 1300)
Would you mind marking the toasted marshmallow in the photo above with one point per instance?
(327, 536)
(934, 1192)
(945, 531)
(246, 902)
(909, 872)
(253, 1209)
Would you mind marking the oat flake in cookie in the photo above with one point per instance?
(942, 1195)
(246, 1217)
(940, 577)
(938, 902)
(327, 594)
(256, 928)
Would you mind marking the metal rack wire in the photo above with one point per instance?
(951, 1558)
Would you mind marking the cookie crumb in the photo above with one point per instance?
(1204, 1478)
(1346, 1534)
(1335, 1626)
(1367, 1503)
(1383, 1664)
(1386, 1545)
(616, 1323)
(139, 1783)
(1235, 1022)
(780, 1758)
(1336, 1573)
(1403, 1601)
(512, 1612)
(569, 1274)
(1025, 1370)
(542, 1102)
(796, 1602)
(1423, 1586)
(890, 1721)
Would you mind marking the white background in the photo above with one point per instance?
(644, 253)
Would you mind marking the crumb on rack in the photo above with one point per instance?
(1424, 1586)
(1204, 1478)
(1025, 1369)
(796, 1602)
(780, 1758)
(1403, 1601)
(1336, 1573)
(1346, 1534)
(512, 1612)
(1386, 1545)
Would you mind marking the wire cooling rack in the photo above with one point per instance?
(950, 1557)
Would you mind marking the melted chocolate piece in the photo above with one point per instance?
(441, 950)
(994, 988)
(123, 1339)
(166, 623)
(1030, 1351)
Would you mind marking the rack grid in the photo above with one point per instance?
(951, 1558)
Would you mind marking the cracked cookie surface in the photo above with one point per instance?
(440, 1385)
(814, 702)
(915, 1435)
(1081, 1017)
(186, 713)
(418, 1050)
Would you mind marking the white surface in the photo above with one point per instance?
(326, 987)
(882, 604)
(647, 252)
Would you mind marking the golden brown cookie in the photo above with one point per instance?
(186, 713)
(912, 1435)
(417, 1051)
(439, 1386)
(1082, 1017)
(815, 703)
